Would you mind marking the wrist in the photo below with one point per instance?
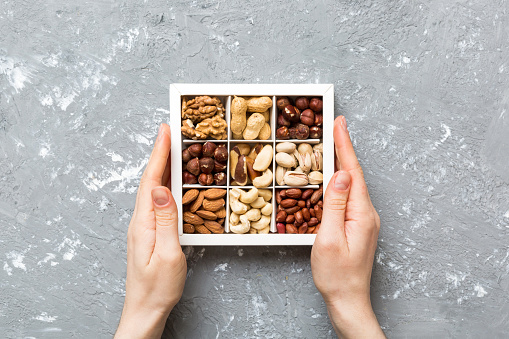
(140, 322)
(354, 319)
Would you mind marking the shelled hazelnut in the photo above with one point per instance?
(205, 164)
(300, 121)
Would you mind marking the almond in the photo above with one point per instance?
(207, 214)
(214, 193)
(190, 196)
(213, 205)
(221, 213)
(202, 229)
(188, 228)
(197, 203)
(192, 218)
(214, 227)
(220, 221)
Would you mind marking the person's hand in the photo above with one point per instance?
(156, 266)
(343, 252)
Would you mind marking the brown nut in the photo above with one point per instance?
(291, 229)
(281, 121)
(282, 133)
(315, 132)
(308, 203)
(307, 117)
(312, 212)
(278, 197)
(188, 228)
(195, 206)
(219, 166)
(317, 195)
(214, 227)
(301, 131)
(208, 149)
(305, 214)
(318, 119)
(206, 165)
(316, 104)
(281, 228)
(282, 193)
(186, 156)
(303, 228)
(281, 216)
(292, 133)
(291, 113)
(294, 193)
(307, 194)
(301, 203)
(190, 196)
(202, 229)
(287, 203)
(302, 103)
(318, 212)
(206, 179)
(188, 178)
(241, 171)
(221, 153)
(208, 215)
(313, 222)
(214, 193)
(298, 217)
(220, 179)
(195, 150)
(282, 102)
(320, 203)
(191, 218)
(251, 172)
(310, 229)
(193, 166)
(292, 210)
(213, 205)
(290, 219)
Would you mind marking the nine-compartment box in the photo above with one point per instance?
(216, 172)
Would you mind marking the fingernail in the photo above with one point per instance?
(342, 181)
(160, 196)
(160, 133)
(343, 123)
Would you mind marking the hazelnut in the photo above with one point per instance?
(220, 179)
(291, 113)
(219, 166)
(208, 149)
(206, 179)
(316, 104)
(193, 166)
(195, 150)
(281, 120)
(302, 103)
(186, 156)
(307, 117)
(315, 132)
(301, 131)
(282, 133)
(292, 133)
(318, 119)
(206, 165)
(282, 102)
(188, 178)
(221, 153)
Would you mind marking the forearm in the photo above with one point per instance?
(355, 321)
(141, 324)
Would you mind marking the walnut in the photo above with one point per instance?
(189, 131)
(214, 127)
(201, 108)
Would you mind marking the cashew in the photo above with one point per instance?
(252, 215)
(263, 159)
(260, 224)
(253, 231)
(264, 180)
(250, 196)
(234, 218)
(243, 227)
(265, 230)
(258, 203)
(267, 209)
(237, 206)
(265, 194)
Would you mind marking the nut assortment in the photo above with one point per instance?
(299, 165)
(253, 147)
(299, 210)
(300, 121)
(205, 164)
(204, 210)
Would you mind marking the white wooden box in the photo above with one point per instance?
(226, 92)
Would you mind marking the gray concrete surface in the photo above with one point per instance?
(424, 87)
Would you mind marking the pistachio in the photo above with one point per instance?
(286, 160)
(280, 173)
(293, 178)
(305, 148)
(287, 147)
(315, 178)
(316, 161)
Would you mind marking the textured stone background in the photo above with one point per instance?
(424, 87)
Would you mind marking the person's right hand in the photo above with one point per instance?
(343, 252)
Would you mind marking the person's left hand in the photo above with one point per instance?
(156, 265)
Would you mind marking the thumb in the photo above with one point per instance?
(166, 216)
(334, 207)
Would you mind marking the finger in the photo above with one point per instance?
(153, 174)
(334, 208)
(166, 215)
(167, 173)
